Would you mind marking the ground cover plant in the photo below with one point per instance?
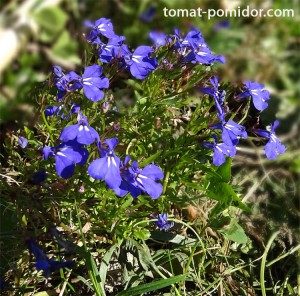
(119, 154)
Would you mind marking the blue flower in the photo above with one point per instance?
(2, 284)
(220, 150)
(53, 110)
(61, 81)
(80, 132)
(111, 50)
(91, 82)
(221, 25)
(139, 62)
(163, 223)
(274, 147)
(259, 94)
(194, 49)
(136, 181)
(159, 38)
(108, 166)
(38, 177)
(43, 262)
(231, 131)
(23, 142)
(66, 155)
(148, 15)
(218, 95)
(203, 55)
(102, 26)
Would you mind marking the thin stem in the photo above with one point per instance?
(48, 126)
(263, 263)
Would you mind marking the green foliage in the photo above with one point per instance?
(163, 120)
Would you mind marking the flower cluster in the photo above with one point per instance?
(80, 147)
(232, 131)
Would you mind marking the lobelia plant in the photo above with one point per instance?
(154, 124)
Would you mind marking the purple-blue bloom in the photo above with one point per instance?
(163, 223)
(81, 132)
(66, 155)
(220, 150)
(2, 285)
(274, 147)
(52, 110)
(148, 15)
(194, 49)
(107, 167)
(231, 131)
(91, 81)
(102, 26)
(159, 38)
(23, 142)
(38, 177)
(61, 81)
(43, 262)
(218, 95)
(111, 50)
(259, 94)
(221, 25)
(55, 111)
(136, 180)
(139, 62)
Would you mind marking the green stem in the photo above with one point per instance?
(166, 180)
(263, 263)
(291, 251)
(48, 126)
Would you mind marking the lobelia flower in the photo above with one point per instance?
(43, 262)
(274, 147)
(2, 285)
(55, 111)
(52, 110)
(107, 167)
(111, 50)
(159, 38)
(220, 151)
(91, 82)
(136, 180)
(66, 155)
(23, 142)
(194, 48)
(102, 26)
(139, 62)
(202, 54)
(221, 25)
(231, 131)
(148, 15)
(163, 223)
(258, 93)
(61, 81)
(218, 95)
(80, 132)
(38, 177)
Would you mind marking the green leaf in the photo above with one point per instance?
(51, 20)
(150, 159)
(105, 263)
(234, 232)
(127, 202)
(154, 286)
(172, 238)
(225, 194)
(225, 170)
(142, 234)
